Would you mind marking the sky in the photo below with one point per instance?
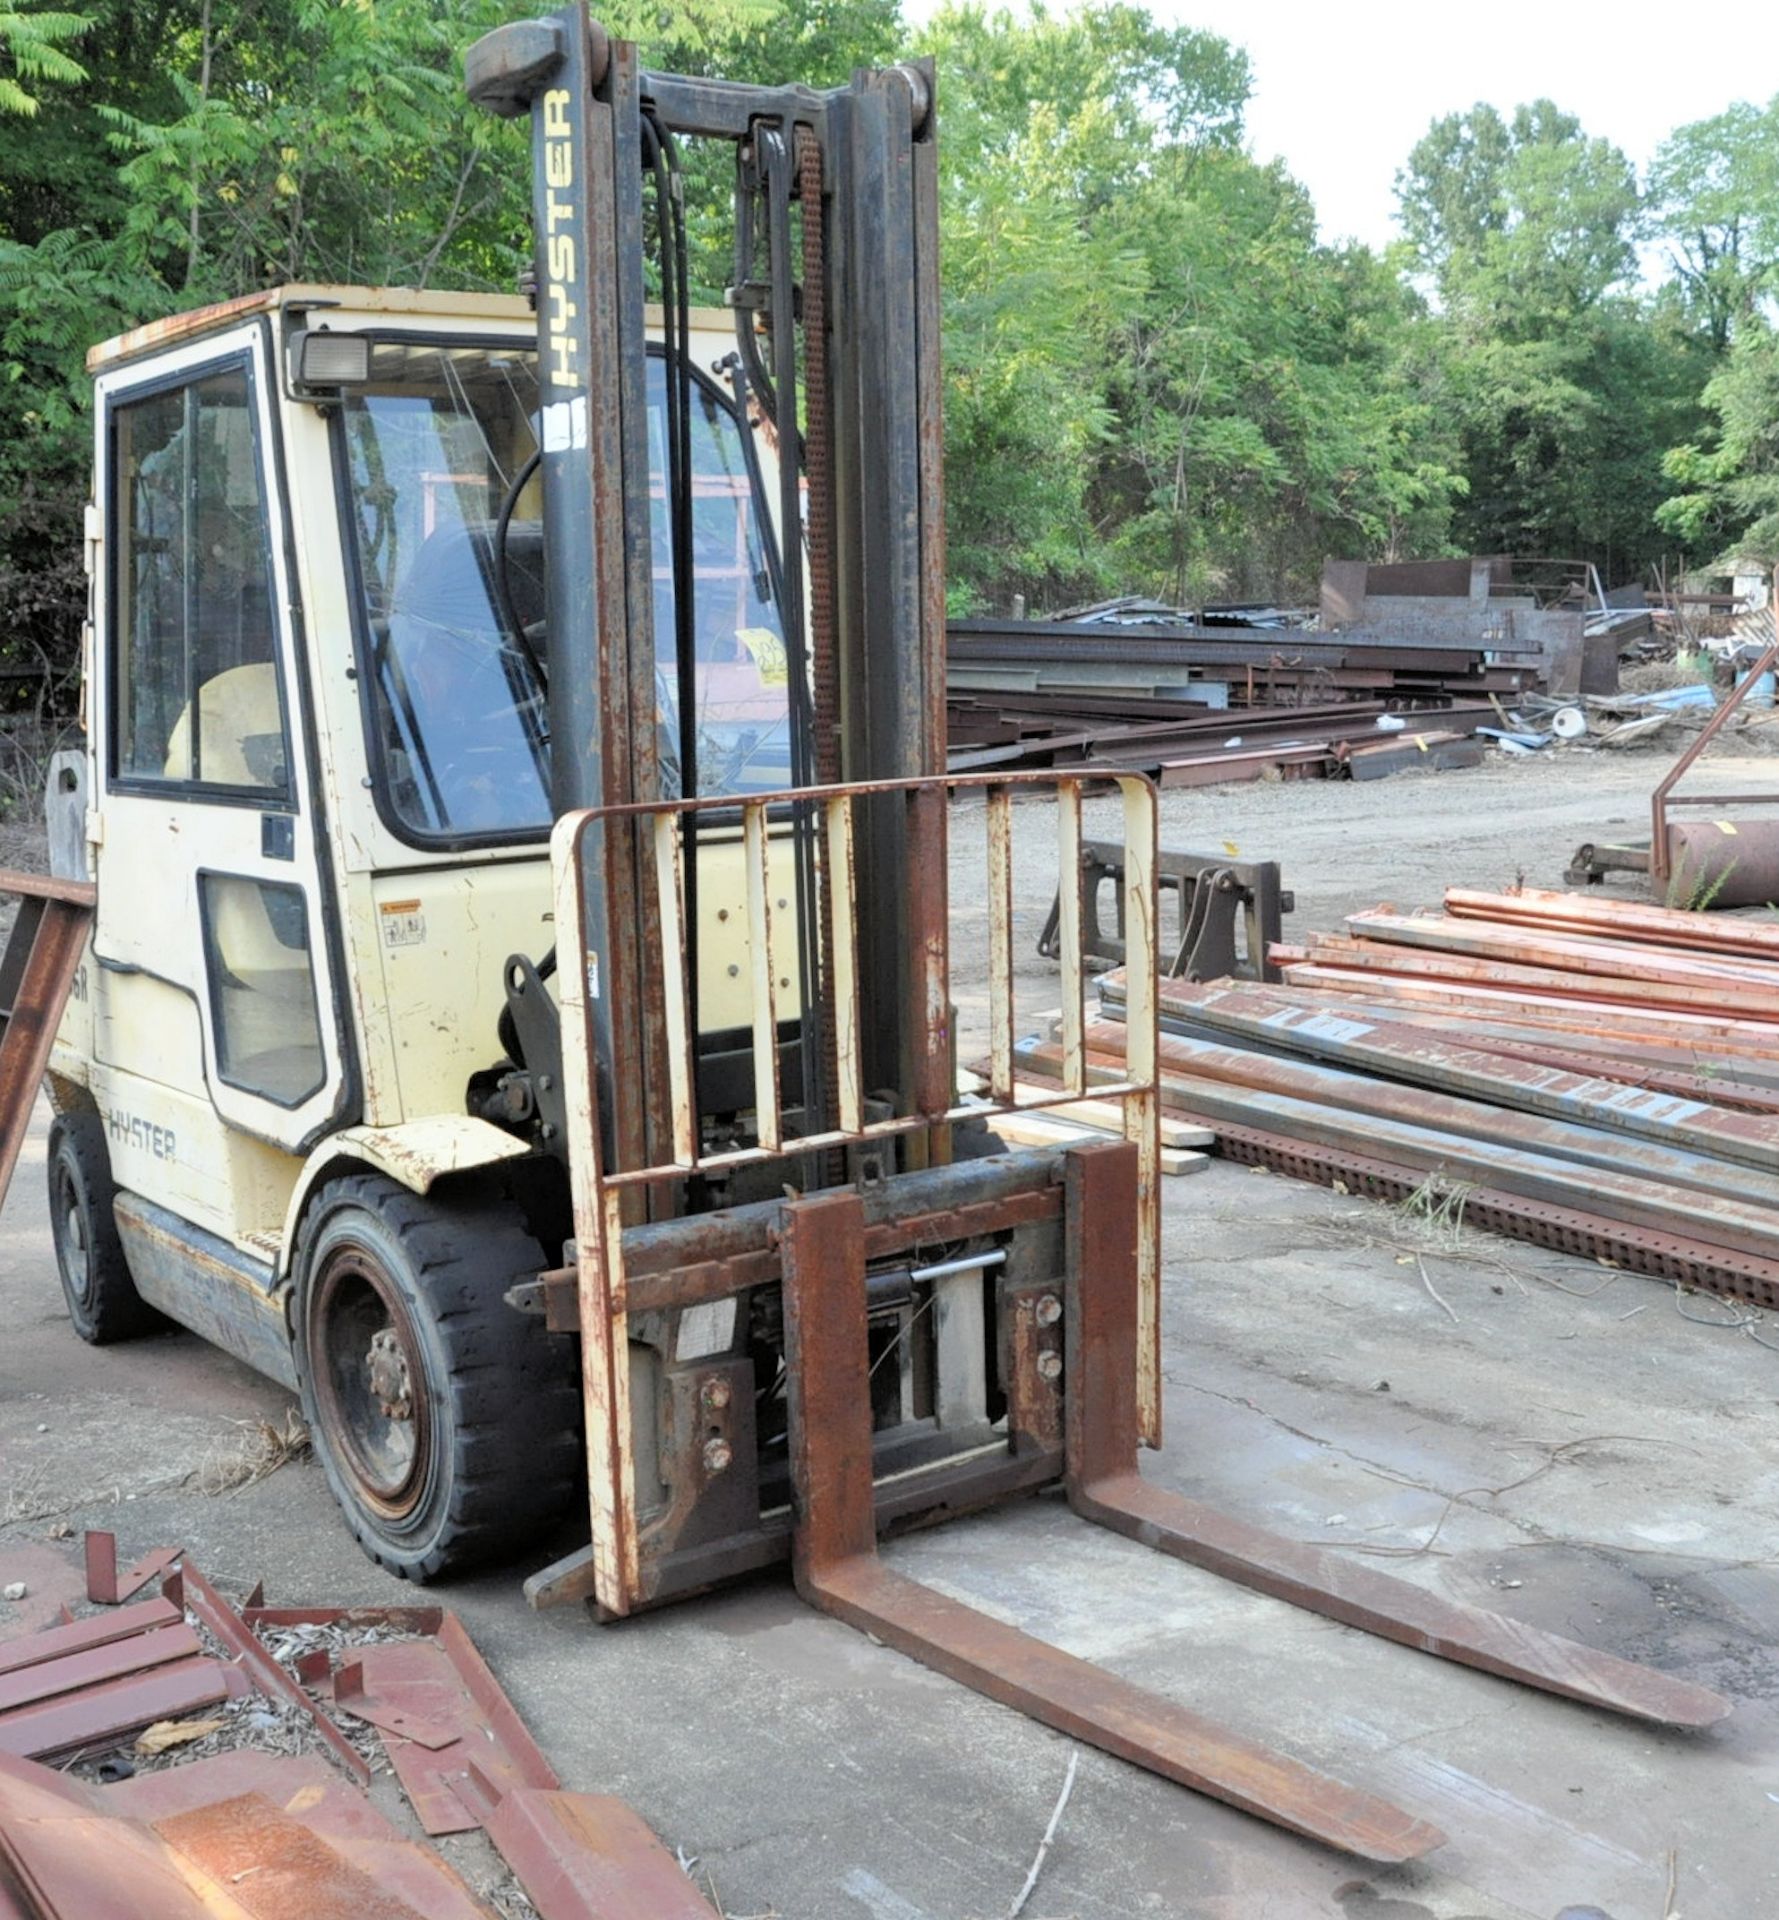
(1343, 91)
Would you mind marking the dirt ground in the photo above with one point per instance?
(1571, 1444)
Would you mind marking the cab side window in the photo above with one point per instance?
(196, 695)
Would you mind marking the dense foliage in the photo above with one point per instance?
(1158, 378)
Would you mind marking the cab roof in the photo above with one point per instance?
(342, 303)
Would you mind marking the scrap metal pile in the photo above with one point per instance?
(211, 1761)
(1189, 705)
(1431, 652)
(1591, 1075)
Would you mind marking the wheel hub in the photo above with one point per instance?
(390, 1383)
(369, 1382)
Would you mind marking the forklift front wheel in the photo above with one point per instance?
(102, 1299)
(444, 1421)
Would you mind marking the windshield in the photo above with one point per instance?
(434, 441)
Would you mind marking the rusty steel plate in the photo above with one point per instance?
(100, 1716)
(423, 1683)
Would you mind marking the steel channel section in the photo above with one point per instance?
(837, 1570)
(581, 456)
(1105, 1486)
(773, 159)
(36, 973)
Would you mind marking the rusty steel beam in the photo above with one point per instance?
(1104, 1485)
(1715, 999)
(1449, 1064)
(1619, 919)
(77, 1636)
(101, 1715)
(1561, 1229)
(1557, 1160)
(838, 1571)
(37, 971)
(93, 1666)
(587, 1856)
(1694, 1070)
(1640, 1198)
(1534, 1002)
(1590, 953)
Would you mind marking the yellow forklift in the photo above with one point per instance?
(517, 1011)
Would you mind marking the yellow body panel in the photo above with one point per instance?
(407, 943)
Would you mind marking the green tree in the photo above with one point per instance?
(1155, 377)
(33, 45)
(1727, 504)
(1563, 380)
(1714, 195)
(1523, 220)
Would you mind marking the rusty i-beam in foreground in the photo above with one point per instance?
(37, 973)
(811, 1308)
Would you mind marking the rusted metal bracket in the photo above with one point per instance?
(1105, 1486)
(838, 1571)
(1210, 892)
(105, 1586)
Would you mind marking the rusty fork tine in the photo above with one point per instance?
(837, 1571)
(1105, 1486)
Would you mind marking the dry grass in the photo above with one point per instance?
(1661, 676)
(1437, 1206)
(259, 1449)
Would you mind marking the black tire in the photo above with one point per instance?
(447, 1423)
(102, 1299)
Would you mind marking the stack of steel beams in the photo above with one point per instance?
(1179, 744)
(1588, 1074)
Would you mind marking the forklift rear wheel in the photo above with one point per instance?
(102, 1299)
(445, 1421)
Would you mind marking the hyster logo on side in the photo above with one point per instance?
(131, 1129)
(560, 211)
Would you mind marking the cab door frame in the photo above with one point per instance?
(156, 839)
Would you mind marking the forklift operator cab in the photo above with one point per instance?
(317, 803)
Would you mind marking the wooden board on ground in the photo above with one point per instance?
(1045, 1130)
